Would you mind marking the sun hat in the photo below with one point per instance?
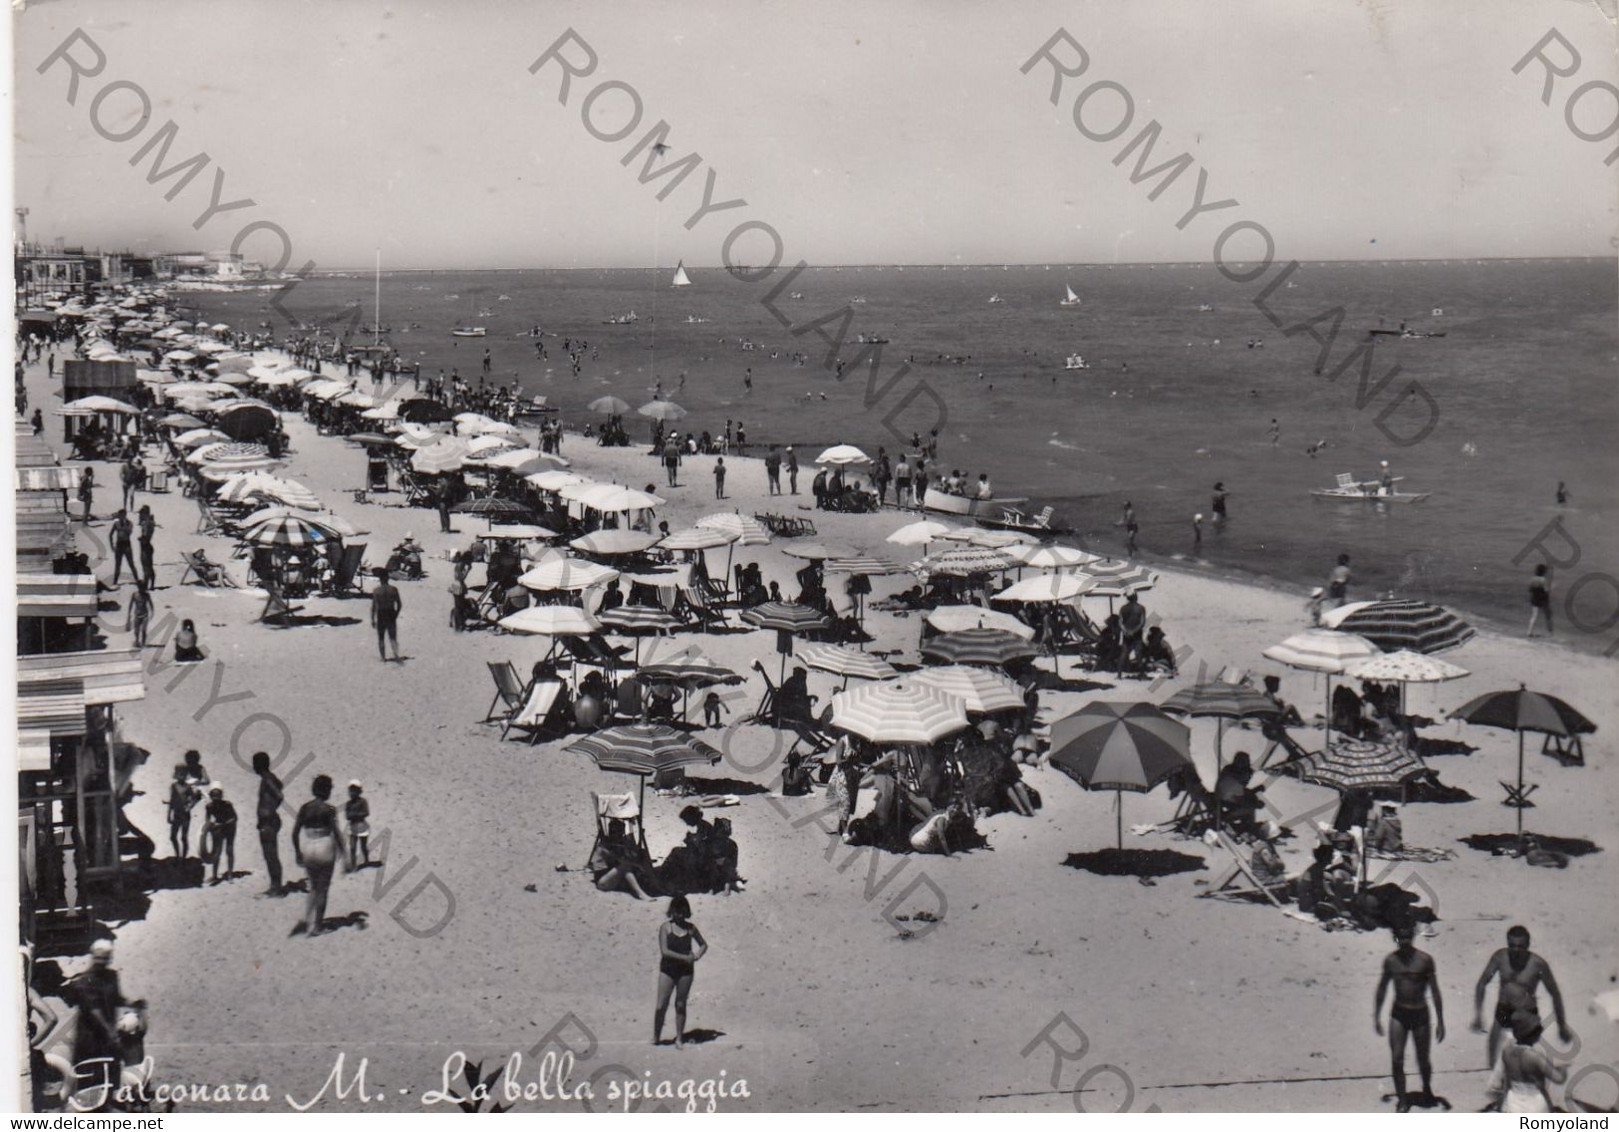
(101, 948)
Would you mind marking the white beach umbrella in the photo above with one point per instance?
(954, 618)
(554, 481)
(842, 454)
(920, 533)
(1053, 556)
(565, 573)
(1047, 587)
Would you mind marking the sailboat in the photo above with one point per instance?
(469, 331)
(680, 279)
(1072, 299)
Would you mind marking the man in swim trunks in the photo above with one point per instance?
(1413, 974)
(1522, 972)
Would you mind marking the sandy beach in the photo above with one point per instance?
(823, 989)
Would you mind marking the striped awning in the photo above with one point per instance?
(48, 479)
(56, 595)
(108, 676)
(56, 707)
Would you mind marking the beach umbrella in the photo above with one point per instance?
(863, 564)
(687, 671)
(984, 536)
(964, 562)
(749, 531)
(1355, 764)
(1110, 745)
(644, 749)
(898, 711)
(497, 452)
(1322, 650)
(699, 538)
(1405, 667)
(238, 465)
(1052, 556)
(638, 620)
(1120, 579)
(288, 531)
(521, 532)
(1220, 700)
(662, 411)
(89, 406)
(368, 438)
(194, 437)
(953, 618)
(613, 542)
(225, 450)
(447, 454)
(1047, 587)
(841, 455)
(920, 533)
(564, 573)
(994, 647)
(554, 480)
(550, 621)
(492, 505)
(242, 486)
(476, 424)
(354, 399)
(980, 689)
(387, 411)
(609, 406)
(1416, 626)
(1521, 711)
(179, 356)
(180, 420)
(817, 551)
(786, 616)
(341, 527)
(611, 498)
(840, 660)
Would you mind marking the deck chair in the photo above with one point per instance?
(276, 605)
(1195, 812)
(1043, 519)
(629, 699)
(509, 690)
(1240, 883)
(695, 605)
(349, 575)
(544, 708)
(616, 807)
(1347, 480)
(210, 574)
(1279, 739)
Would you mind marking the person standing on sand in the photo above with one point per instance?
(317, 846)
(269, 818)
(385, 607)
(1540, 599)
(773, 470)
(671, 460)
(1414, 974)
(1521, 972)
(680, 946)
(792, 470)
(140, 613)
(148, 528)
(719, 477)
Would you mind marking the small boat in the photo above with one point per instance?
(1405, 332)
(857, 298)
(681, 279)
(1205, 308)
(969, 506)
(697, 318)
(1076, 361)
(796, 295)
(1368, 491)
(1072, 300)
(468, 332)
(872, 340)
(996, 299)
(621, 320)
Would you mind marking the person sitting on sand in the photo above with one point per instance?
(943, 832)
(1010, 780)
(723, 858)
(685, 869)
(1157, 651)
(1238, 802)
(618, 864)
(186, 648)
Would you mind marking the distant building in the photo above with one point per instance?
(199, 265)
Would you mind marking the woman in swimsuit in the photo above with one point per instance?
(317, 846)
(1519, 1083)
(680, 946)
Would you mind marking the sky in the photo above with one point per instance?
(900, 132)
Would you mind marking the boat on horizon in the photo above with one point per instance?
(681, 279)
(1072, 300)
(996, 299)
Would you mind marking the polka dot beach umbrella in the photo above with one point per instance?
(965, 562)
(1111, 745)
(1405, 667)
(1417, 626)
(898, 711)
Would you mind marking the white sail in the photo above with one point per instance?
(1072, 298)
(680, 279)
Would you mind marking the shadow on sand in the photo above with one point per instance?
(1135, 862)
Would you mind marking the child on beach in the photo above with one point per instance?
(219, 832)
(680, 946)
(712, 707)
(357, 812)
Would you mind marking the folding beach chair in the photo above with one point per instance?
(509, 690)
(695, 606)
(348, 576)
(1043, 519)
(1347, 480)
(1240, 883)
(542, 709)
(210, 574)
(616, 807)
(275, 604)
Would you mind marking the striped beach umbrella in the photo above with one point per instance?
(338, 526)
(863, 564)
(840, 660)
(818, 551)
(1120, 579)
(699, 538)
(692, 670)
(749, 531)
(197, 437)
(1322, 650)
(1047, 587)
(994, 647)
(1110, 745)
(898, 711)
(644, 749)
(289, 531)
(980, 689)
(1354, 764)
(787, 616)
(954, 618)
(1222, 701)
(224, 451)
(1416, 626)
(493, 505)
(447, 454)
(638, 620)
(964, 562)
(245, 486)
